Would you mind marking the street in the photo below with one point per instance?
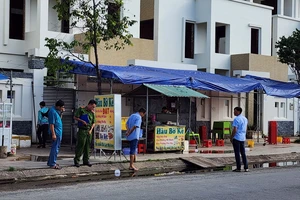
(275, 183)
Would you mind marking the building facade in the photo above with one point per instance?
(216, 36)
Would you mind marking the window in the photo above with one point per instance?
(282, 110)
(255, 41)
(189, 40)
(227, 108)
(11, 99)
(146, 29)
(202, 102)
(220, 39)
(17, 19)
(9, 95)
(65, 23)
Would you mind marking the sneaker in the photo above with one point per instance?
(237, 170)
(87, 164)
(247, 170)
(77, 165)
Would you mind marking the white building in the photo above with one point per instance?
(218, 36)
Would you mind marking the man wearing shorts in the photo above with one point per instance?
(133, 126)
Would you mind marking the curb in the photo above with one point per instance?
(147, 168)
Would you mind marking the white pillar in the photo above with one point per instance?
(280, 7)
(293, 8)
(42, 15)
(250, 1)
(211, 43)
(296, 9)
(5, 14)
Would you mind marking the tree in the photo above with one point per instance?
(99, 21)
(289, 52)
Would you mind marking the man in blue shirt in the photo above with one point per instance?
(56, 129)
(133, 126)
(42, 131)
(238, 138)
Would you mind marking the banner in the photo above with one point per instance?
(169, 138)
(107, 132)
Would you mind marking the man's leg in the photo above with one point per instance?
(54, 151)
(133, 145)
(39, 134)
(81, 140)
(243, 153)
(86, 149)
(236, 147)
(45, 134)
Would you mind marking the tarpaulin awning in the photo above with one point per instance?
(3, 77)
(276, 88)
(149, 75)
(176, 91)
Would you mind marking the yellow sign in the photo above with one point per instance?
(105, 129)
(169, 138)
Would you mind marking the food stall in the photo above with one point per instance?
(163, 131)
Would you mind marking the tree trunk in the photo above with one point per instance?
(99, 80)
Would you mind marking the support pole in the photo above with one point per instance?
(147, 113)
(111, 86)
(177, 111)
(11, 86)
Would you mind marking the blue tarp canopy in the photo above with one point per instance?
(192, 79)
(3, 77)
(276, 88)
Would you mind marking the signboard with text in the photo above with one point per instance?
(107, 131)
(169, 138)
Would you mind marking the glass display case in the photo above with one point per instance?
(6, 125)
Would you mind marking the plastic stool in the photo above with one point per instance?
(286, 140)
(207, 143)
(279, 139)
(141, 148)
(220, 143)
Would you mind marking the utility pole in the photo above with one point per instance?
(11, 86)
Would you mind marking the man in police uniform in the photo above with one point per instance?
(86, 122)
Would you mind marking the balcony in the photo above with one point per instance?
(141, 49)
(260, 63)
(35, 41)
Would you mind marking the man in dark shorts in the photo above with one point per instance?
(133, 126)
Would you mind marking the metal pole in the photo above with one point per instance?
(11, 86)
(190, 113)
(177, 111)
(147, 112)
(111, 86)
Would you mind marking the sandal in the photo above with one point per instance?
(56, 167)
(133, 168)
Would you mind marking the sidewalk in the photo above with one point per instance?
(29, 165)
(34, 158)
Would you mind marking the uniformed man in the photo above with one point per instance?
(86, 122)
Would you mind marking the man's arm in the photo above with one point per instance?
(52, 132)
(39, 117)
(233, 133)
(77, 117)
(131, 130)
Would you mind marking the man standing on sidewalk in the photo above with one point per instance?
(133, 126)
(86, 122)
(42, 131)
(238, 138)
(56, 129)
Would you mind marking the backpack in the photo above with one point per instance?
(45, 114)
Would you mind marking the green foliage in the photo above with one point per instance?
(99, 21)
(289, 52)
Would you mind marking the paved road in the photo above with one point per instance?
(279, 183)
